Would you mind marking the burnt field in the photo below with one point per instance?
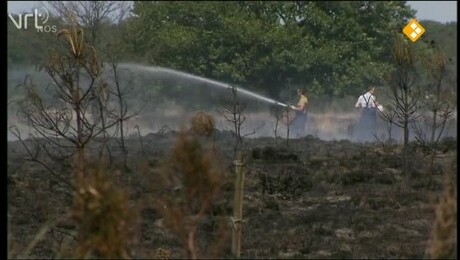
(303, 198)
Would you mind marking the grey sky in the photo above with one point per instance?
(21, 6)
(440, 11)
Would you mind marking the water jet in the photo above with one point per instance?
(154, 69)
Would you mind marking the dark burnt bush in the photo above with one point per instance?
(322, 230)
(341, 254)
(419, 183)
(286, 183)
(356, 176)
(385, 178)
(272, 154)
(271, 203)
(347, 162)
(256, 153)
(392, 161)
(222, 206)
(408, 198)
(378, 203)
(415, 172)
(316, 163)
(332, 176)
(150, 214)
(447, 144)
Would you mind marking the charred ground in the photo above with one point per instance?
(304, 198)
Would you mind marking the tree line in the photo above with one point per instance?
(333, 49)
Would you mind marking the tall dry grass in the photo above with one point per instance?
(202, 124)
(189, 182)
(106, 221)
(444, 233)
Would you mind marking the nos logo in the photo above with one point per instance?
(39, 18)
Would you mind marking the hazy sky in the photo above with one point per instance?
(440, 11)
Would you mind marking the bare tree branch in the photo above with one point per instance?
(90, 14)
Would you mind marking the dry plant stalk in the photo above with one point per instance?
(444, 234)
(106, 221)
(162, 253)
(202, 124)
(405, 93)
(190, 182)
(287, 110)
(14, 252)
(233, 112)
(277, 113)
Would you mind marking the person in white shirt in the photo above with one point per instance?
(367, 100)
(369, 106)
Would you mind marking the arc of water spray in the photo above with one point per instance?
(202, 79)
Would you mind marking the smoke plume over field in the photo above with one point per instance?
(165, 102)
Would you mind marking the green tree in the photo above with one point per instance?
(331, 47)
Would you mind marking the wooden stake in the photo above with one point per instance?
(238, 207)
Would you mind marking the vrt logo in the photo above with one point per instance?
(40, 19)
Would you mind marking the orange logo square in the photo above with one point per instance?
(413, 30)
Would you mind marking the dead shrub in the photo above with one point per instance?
(202, 124)
(273, 154)
(106, 221)
(355, 176)
(447, 144)
(444, 233)
(287, 183)
(189, 183)
(162, 253)
(385, 178)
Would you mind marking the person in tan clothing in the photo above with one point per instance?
(300, 119)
